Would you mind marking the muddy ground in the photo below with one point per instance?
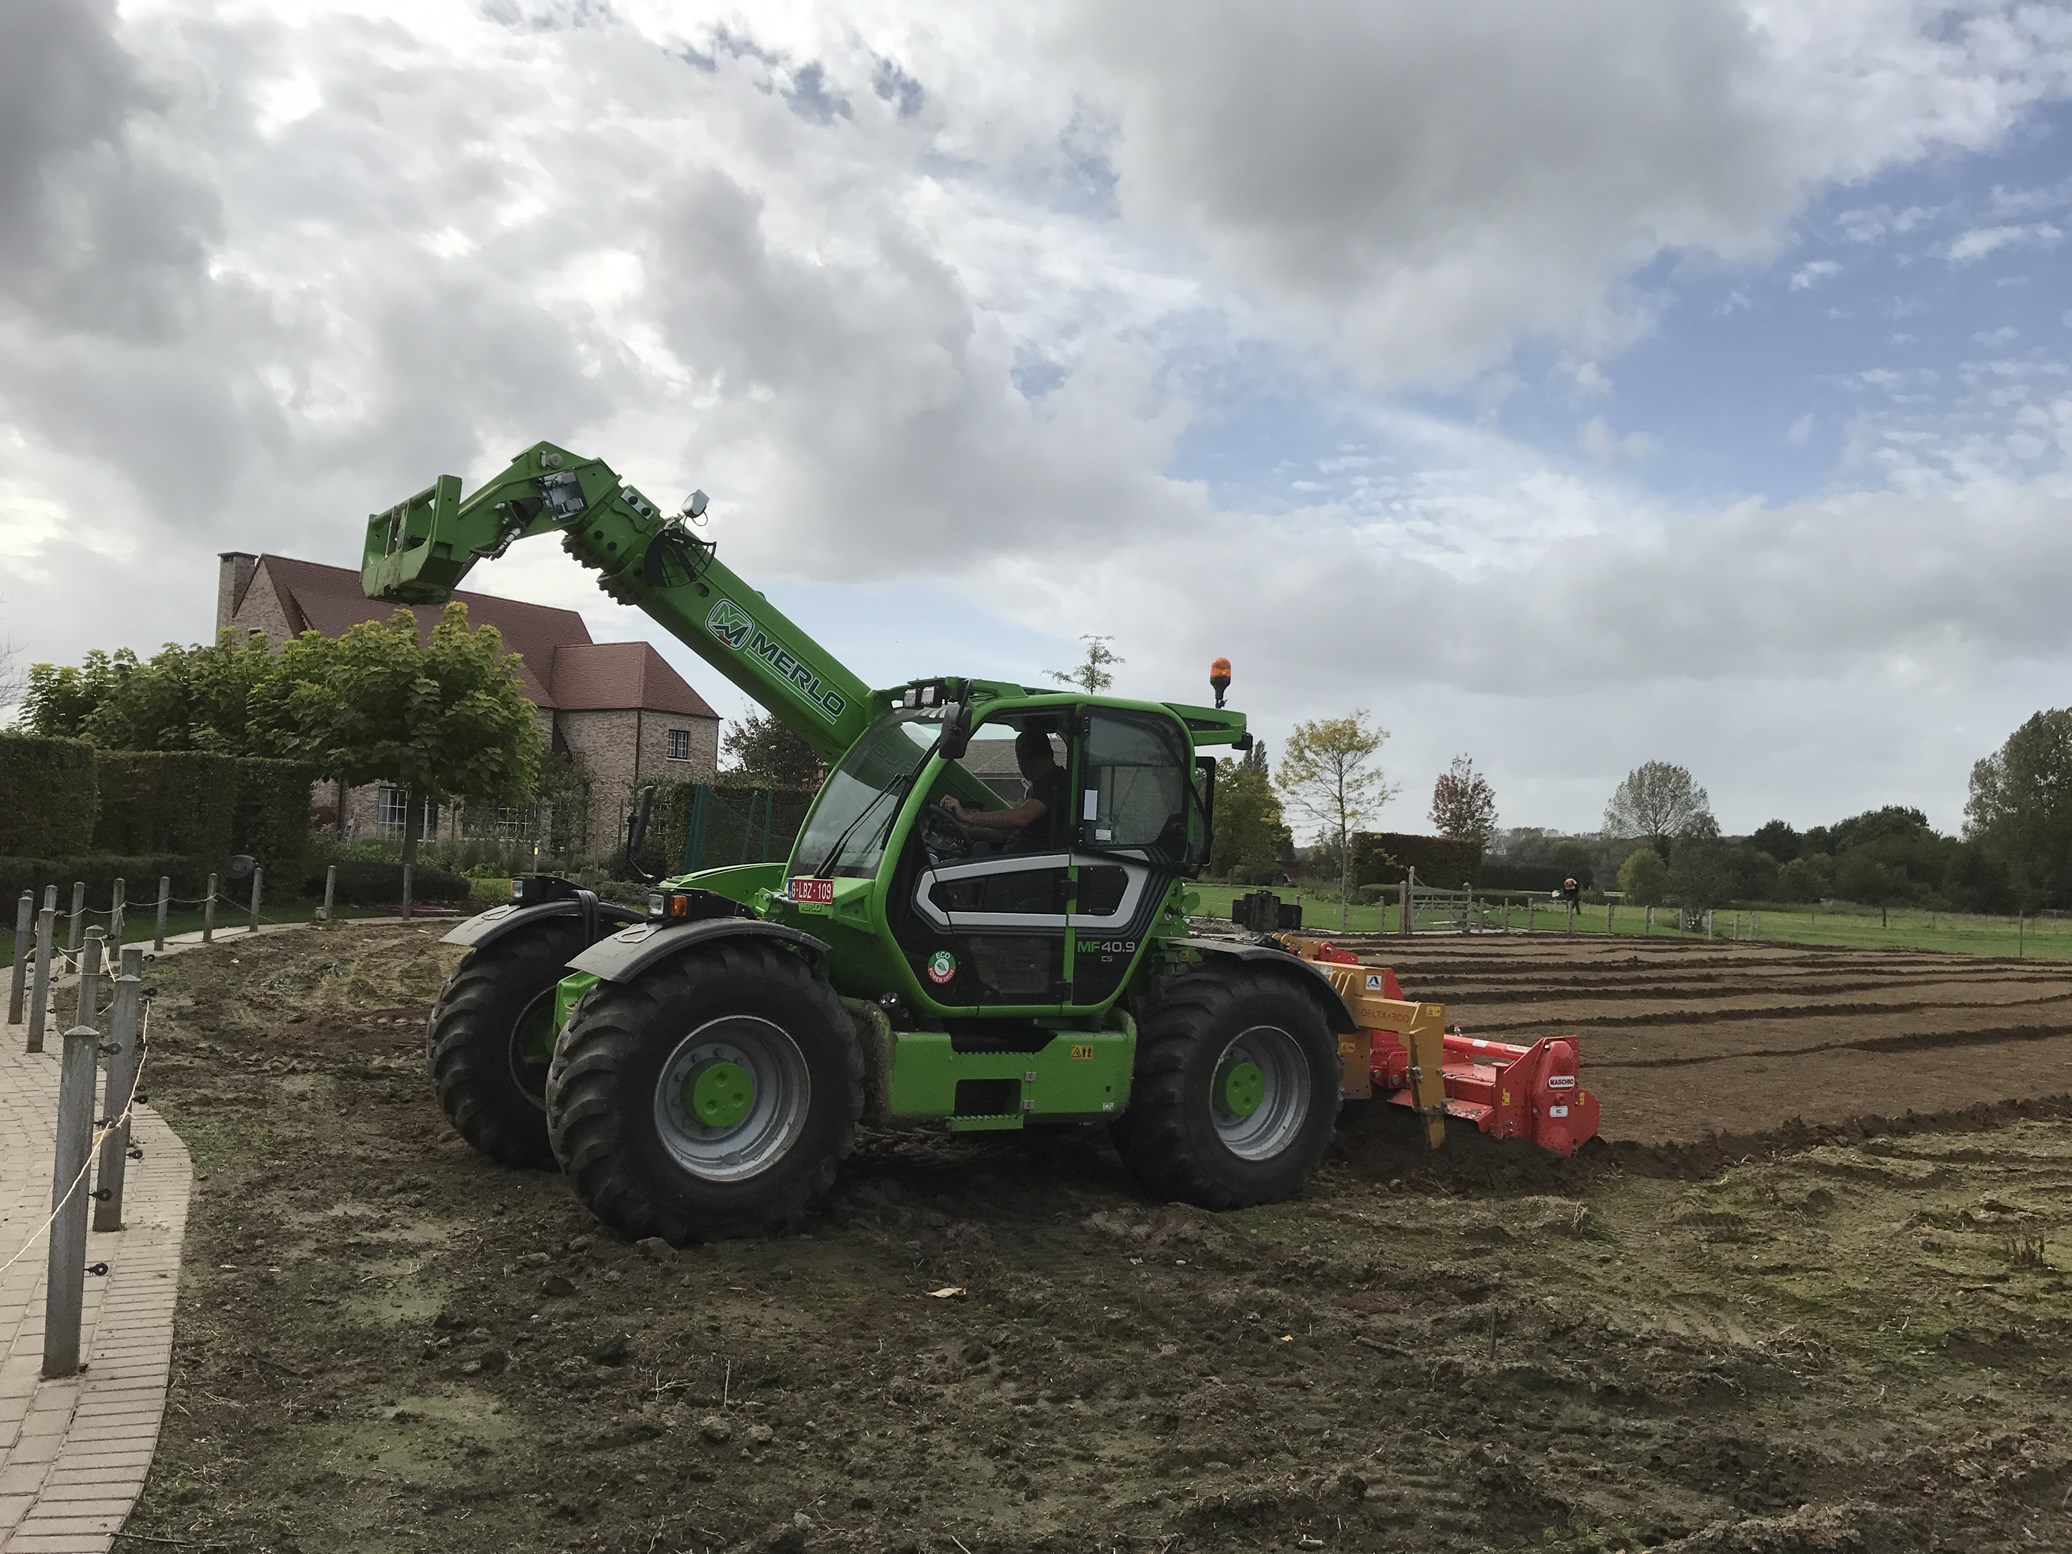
(1807, 1338)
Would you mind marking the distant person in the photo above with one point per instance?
(1572, 893)
(1037, 824)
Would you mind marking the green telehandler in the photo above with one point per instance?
(935, 947)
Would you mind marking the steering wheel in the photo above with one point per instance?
(943, 834)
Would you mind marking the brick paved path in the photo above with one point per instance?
(73, 1453)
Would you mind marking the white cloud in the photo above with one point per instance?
(1807, 276)
(1801, 430)
(265, 272)
(1422, 228)
(1601, 442)
(1980, 242)
(2006, 334)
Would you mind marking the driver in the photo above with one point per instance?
(1038, 822)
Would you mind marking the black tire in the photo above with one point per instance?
(1174, 1137)
(626, 1140)
(494, 1099)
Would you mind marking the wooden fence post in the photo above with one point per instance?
(208, 914)
(78, 916)
(39, 992)
(1531, 902)
(123, 1035)
(115, 912)
(1610, 906)
(1403, 907)
(1647, 921)
(258, 874)
(65, 1284)
(330, 891)
(18, 983)
(165, 897)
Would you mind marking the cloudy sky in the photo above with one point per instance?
(1569, 384)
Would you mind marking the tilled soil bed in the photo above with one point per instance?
(1803, 1338)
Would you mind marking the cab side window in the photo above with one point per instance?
(1134, 772)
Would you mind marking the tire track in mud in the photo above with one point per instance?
(1690, 1017)
(1554, 992)
(1389, 1148)
(1919, 1041)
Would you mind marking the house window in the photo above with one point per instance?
(391, 806)
(679, 744)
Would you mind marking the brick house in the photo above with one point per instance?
(617, 709)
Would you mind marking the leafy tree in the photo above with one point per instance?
(1657, 802)
(1644, 876)
(2020, 810)
(1699, 876)
(1092, 673)
(1892, 822)
(182, 698)
(1463, 804)
(1807, 877)
(1752, 871)
(1251, 835)
(1777, 839)
(1327, 774)
(1864, 877)
(444, 718)
(61, 701)
(763, 748)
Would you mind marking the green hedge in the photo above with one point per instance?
(205, 806)
(365, 882)
(271, 819)
(100, 871)
(178, 801)
(48, 796)
(1381, 857)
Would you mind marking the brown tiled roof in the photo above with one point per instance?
(598, 675)
(330, 600)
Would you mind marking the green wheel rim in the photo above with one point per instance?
(1240, 1088)
(732, 1097)
(1259, 1097)
(721, 1094)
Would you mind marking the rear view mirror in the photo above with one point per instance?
(956, 731)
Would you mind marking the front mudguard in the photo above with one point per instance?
(623, 956)
(502, 921)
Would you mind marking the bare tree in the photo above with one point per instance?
(1092, 673)
(14, 679)
(1657, 802)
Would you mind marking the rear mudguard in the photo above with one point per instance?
(1267, 957)
(501, 921)
(622, 956)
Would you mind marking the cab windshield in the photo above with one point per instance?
(844, 835)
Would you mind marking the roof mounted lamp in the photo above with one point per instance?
(1219, 678)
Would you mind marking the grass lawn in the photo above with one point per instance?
(1962, 933)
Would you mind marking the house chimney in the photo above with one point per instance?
(234, 572)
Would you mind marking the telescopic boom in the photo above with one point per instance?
(419, 550)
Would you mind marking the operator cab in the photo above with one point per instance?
(1052, 911)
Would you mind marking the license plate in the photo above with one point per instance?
(813, 892)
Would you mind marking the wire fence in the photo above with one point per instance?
(105, 1127)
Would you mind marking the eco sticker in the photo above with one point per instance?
(942, 966)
